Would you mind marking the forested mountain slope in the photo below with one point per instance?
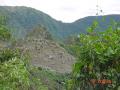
(21, 20)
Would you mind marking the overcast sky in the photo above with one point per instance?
(68, 10)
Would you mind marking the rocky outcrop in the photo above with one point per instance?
(46, 53)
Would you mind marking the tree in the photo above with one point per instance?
(98, 58)
(4, 31)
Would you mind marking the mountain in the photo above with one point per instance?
(22, 19)
(46, 53)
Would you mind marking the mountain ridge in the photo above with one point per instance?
(23, 19)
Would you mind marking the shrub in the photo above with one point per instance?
(98, 58)
(14, 75)
(15, 72)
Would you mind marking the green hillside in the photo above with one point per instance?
(21, 20)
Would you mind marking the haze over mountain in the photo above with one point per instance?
(21, 20)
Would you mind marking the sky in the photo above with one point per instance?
(69, 10)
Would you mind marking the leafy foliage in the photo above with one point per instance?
(8, 54)
(98, 58)
(4, 31)
(14, 75)
(15, 72)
